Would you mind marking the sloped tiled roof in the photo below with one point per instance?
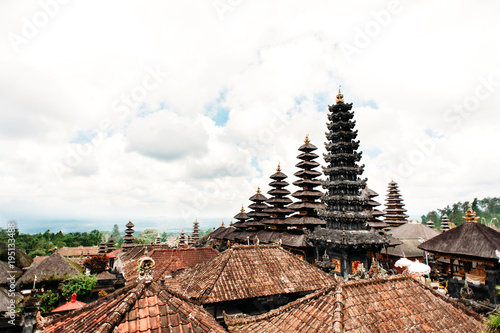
(54, 268)
(468, 239)
(85, 251)
(138, 307)
(394, 304)
(243, 272)
(169, 261)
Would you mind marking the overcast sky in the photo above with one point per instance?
(170, 111)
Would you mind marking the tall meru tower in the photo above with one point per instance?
(346, 242)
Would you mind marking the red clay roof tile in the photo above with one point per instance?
(403, 305)
(138, 307)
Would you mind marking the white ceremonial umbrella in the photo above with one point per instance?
(419, 268)
(403, 262)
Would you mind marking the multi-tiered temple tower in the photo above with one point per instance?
(394, 211)
(279, 200)
(308, 206)
(345, 243)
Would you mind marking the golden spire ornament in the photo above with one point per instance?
(242, 209)
(279, 168)
(340, 97)
(258, 190)
(307, 139)
(470, 215)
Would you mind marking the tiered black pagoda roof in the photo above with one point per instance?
(279, 200)
(374, 223)
(110, 245)
(128, 239)
(258, 206)
(345, 206)
(308, 206)
(445, 223)
(195, 236)
(394, 212)
(346, 237)
(241, 217)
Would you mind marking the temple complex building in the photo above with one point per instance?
(345, 243)
(249, 279)
(468, 258)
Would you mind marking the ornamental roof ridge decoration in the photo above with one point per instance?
(145, 267)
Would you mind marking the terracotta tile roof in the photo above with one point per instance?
(394, 304)
(54, 268)
(73, 304)
(84, 251)
(243, 272)
(168, 261)
(39, 259)
(137, 250)
(138, 307)
(114, 254)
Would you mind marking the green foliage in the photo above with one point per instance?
(96, 264)
(164, 236)
(49, 300)
(203, 233)
(116, 233)
(81, 285)
(493, 320)
(488, 209)
(148, 236)
(45, 243)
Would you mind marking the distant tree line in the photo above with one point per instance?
(43, 244)
(488, 209)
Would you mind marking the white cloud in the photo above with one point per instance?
(166, 136)
(273, 68)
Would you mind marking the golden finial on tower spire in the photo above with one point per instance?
(242, 209)
(222, 224)
(340, 97)
(279, 168)
(258, 190)
(470, 215)
(231, 224)
(307, 139)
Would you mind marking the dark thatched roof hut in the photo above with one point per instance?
(22, 259)
(6, 271)
(54, 268)
(467, 240)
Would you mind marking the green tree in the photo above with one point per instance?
(116, 232)
(149, 236)
(49, 300)
(493, 320)
(81, 285)
(96, 264)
